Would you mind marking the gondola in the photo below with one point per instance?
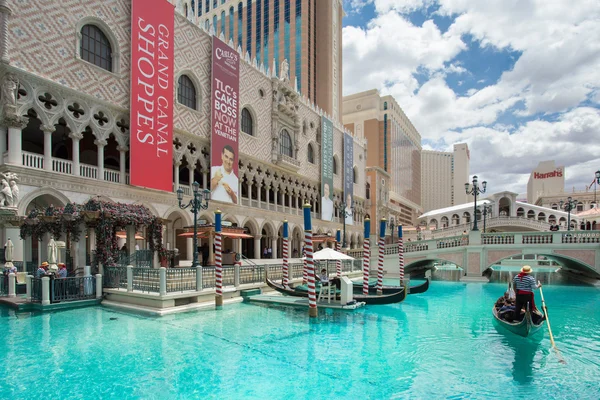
(524, 328)
(396, 297)
(421, 288)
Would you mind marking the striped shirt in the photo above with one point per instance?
(526, 283)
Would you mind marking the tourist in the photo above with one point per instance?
(525, 285)
(269, 252)
(265, 252)
(204, 250)
(62, 272)
(137, 247)
(324, 278)
(124, 248)
(295, 253)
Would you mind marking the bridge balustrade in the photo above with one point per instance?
(488, 238)
(537, 238)
(581, 237)
(456, 241)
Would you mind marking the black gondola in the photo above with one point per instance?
(421, 288)
(396, 297)
(524, 328)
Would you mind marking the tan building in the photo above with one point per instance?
(308, 33)
(393, 155)
(545, 180)
(65, 131)
(444, 175)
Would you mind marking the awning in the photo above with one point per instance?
(234, 235)
(123, 235)
(201, 235)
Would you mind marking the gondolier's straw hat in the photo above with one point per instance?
(526, 269)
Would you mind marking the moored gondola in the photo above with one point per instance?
(524, 328)
(420, 288)
(390, 298)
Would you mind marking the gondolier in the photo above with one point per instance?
(524, 285)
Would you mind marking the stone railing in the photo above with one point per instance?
(497, 238)
(491, 223)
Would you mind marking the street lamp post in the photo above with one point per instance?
(568, 205)
(475, 190)
(487, 209)
(344, 214)
(392, 226)
(596, 182)
(198, 202)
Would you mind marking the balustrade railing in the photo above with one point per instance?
(72, 289)
(410, 248)
(3, 285)
(228, 276)
(581, 237)
(537, 238)
(251, 274)
(33, 160)
(181, 279)
(208, 277)
(62, 166)
(88, 171)
(146, 280)
(112, 176)
(456, 241)
(497, 238)
(36, 290)
(115, 278)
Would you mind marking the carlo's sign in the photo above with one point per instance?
(558, 173)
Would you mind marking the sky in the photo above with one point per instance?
(517, 80)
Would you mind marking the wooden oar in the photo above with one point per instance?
(560, 358)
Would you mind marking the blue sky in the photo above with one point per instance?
(518, 80)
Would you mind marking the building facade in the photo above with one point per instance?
(307, 33)
(546, 179)
(444, 175)
(393, 154)
(65, 130)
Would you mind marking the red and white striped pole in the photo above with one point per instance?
(381, 256)
(304, 266)
(312, 290)
(366, 256)
(401, 255)
(338, 247)
(286, 254)
(218, 262)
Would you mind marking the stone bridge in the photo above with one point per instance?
(578, 251)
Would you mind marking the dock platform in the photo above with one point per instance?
(300, 302)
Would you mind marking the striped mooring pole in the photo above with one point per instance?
(366, 256)
(338, 247)
(401, 255)
(218, 262)
(310, 266)
(286, 254)
(382, 226)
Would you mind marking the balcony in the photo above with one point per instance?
(289, 163)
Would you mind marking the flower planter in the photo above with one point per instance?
(90, 216)
(31, 221)
(48, 218)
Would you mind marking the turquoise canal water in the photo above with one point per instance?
(440, 344)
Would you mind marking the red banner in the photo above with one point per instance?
(152, 77)
(224, 182)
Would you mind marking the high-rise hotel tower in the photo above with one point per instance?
(306, 33)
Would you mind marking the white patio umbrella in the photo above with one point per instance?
(52, 255)
(9, 253)
(330, 254)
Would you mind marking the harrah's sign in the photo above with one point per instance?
(151, 124)
(554, 174)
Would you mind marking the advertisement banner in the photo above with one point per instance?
(327, 170)
(224, 182)
(152, 77)
(349, 176)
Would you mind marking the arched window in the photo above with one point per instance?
(186, 11)
(385, 106)
(368, 190)
(186, 92)
(231, 21)
(334, 165)
(223, 22)
(215, 27)
(285, 143)
(354, 175)
(247, 123)
(311, 154)
(95, 47)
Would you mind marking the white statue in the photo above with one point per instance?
(285, 70)
(6, 195)
(9, 90)
(15, 192)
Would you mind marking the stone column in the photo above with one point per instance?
(122, 154)
(189, 248)
(267, 196)
(12, 285)
(274, 246)
(130, 278)
(76, 138)
(211, 253)
(28, 287)
(258, 195)
(249, 192)
(48, 130)
(45, 291)
(257, 252)
(15, 149)
(98, 286)
(5, 13)
(3, 140)
(176, 165)
(130, 240)
(162, 273)
(100, 144)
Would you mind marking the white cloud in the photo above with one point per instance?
(557, 71)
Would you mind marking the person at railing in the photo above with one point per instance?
(41, 271)
(204, 251)
(324, 279)
(62, 272)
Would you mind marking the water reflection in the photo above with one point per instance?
(524, 350)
